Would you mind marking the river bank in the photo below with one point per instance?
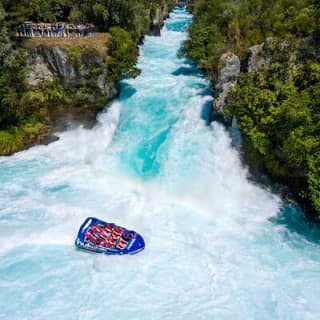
(265, 73)
(80, 75)
(70, 75)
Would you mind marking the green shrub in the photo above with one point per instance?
(281, 124)
(122, 52)
(15, 138)
(53, 92)
(74, 54)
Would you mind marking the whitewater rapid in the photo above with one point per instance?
(217, 245)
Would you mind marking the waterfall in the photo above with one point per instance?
(217, 245)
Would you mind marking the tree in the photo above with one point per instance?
(123, 54)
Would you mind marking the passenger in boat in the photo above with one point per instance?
(117, 231)
(102, 232)
(90, 237)
(127, 235)
(111, 242)
(100, 243)
(121, 244)
(108, 228)
(108, 244)
(98, 233)
(115, 236)
(95, 230)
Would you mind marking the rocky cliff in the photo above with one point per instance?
(230, 66)
(158, 16)
(70, 80)
(84, 70)
(229, 70)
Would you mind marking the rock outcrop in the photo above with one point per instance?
(158, 16)
(257, 58)
(229, 70)
(38, 70)
(89, 72)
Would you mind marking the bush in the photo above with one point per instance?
(281, 124)
(15, 138)
(122, 52)
(53, 92)
(74, 54)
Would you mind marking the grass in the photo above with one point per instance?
(96, 41)
(17, 138)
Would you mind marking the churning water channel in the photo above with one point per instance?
(217, 246)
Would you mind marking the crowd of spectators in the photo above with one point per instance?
(54, 30)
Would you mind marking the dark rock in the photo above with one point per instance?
(258, 57)
(254, 60)
(229, 70)
(38, 69)
(49, 63)
(46, 141)
(157, 19)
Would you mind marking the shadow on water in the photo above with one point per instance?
(207, 107)
(126, 90)
(295, 222)
(206, 112)
(187, 71)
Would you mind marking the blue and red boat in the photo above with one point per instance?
(102, 237)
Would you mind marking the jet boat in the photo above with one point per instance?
(103, 237)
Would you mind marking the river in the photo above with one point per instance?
(218, 246)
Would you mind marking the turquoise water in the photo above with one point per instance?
(217, 246)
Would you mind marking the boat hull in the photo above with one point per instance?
(99, 236)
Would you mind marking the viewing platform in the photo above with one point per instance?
(54, 30)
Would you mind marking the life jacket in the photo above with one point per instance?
(117, 231)
(108, 228)
(108, 244)
(90, 237)
(112, 241)
(102, 232)
(127, 235)
(121, 244)
(100, 243)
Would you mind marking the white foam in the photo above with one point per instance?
(211, 251)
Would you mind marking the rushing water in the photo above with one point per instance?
(217, 246)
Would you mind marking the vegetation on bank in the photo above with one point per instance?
(278, 108)
(123, 54)
(219, 26)
(96, 41)
(125, 20)
(14, 138)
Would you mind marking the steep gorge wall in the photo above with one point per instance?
(229, 70)
(72, 79)
(79, 68)
(87, 71)
(157, 17)
(230, 66)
